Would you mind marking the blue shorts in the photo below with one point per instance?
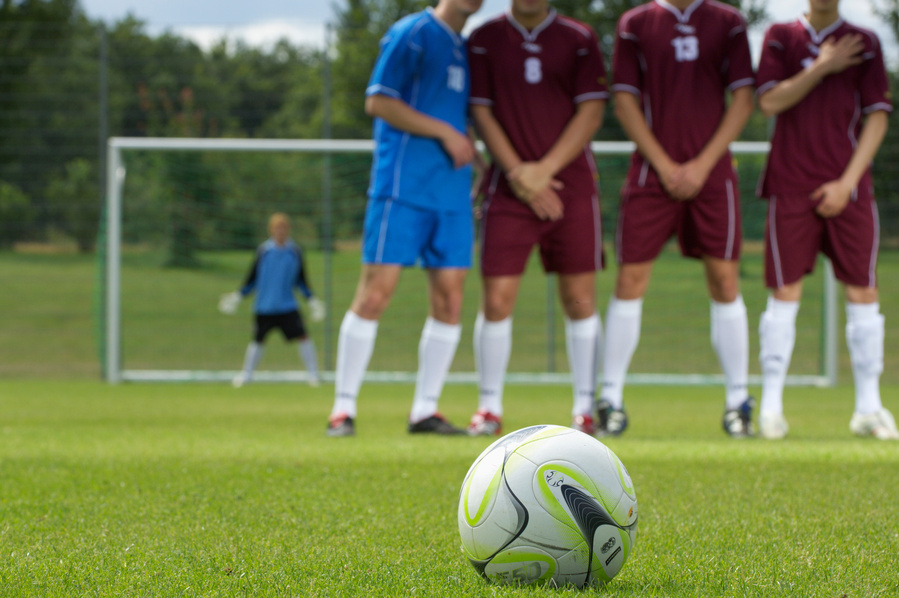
(402, 234)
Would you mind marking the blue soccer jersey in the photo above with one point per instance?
(275, 272)
(423, 63)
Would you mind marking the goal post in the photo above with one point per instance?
(547, 344)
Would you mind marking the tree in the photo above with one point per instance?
(75, 199)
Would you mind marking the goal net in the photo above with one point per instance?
(184, 216)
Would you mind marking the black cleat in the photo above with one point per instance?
(610, 421)
(436, 424)
(341, 425)
(738, 422)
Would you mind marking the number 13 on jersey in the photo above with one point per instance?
(686, 49)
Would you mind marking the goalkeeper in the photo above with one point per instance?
(277, 269)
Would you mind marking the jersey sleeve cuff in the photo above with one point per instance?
(627, 89)
(746, 82)
(383, 90)
(593, 95)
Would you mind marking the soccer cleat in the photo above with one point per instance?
(436, 424)
(239, 380)
(583, 423)
(341, 425)
(773, 426)
(880, 425)
(738, 422)
(314, 381)
(484, 423)
(611, 421)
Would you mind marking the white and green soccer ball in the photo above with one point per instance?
(550, 505)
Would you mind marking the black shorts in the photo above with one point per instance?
(291, 325)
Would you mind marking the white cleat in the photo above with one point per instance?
(773, 426)
(239, 380)
(314, 382)
(880, 425)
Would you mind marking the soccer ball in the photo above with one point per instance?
(549, 505)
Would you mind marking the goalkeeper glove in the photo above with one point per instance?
(229, 301)
(316, 309)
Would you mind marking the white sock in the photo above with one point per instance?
(355, 344)
(581, 342)
(492, 348)
(309, 357)
(777, 336)
(436, 350)
(730, 339)
(251, 358)
(622, 336)
(864, 335)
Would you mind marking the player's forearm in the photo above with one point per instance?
(735, 119)
(873, 132)
(495, 138)
(630, 115)
(404, 117)
(576, 134)
(790, 92)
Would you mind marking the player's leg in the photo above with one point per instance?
(711, 230)
(447, 257)
(865, 336)
(572, 249)
(358, 330)
(793, 239)
(623, 319)
(507, 240)
(852, 245)
(646, 220)
(492, 349)
(436, 349)
(729, 332)
(294, 330)
(255, 350)
(777, 336)
(309, 356)
(583, 331)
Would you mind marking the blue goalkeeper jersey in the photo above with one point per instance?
(423, 63)
(275, 272)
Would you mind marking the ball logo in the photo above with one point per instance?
(608, 545)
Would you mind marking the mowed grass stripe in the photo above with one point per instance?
(204, 490)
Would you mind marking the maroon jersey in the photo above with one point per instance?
(814, 140)
(680, 65)
(533, 82)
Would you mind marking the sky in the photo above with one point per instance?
(262, 22)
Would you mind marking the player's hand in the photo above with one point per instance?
(530, 178)
(837, 56)
(317, 309)
(460, 147)
(228, 303)
(688, 180)
(547, 205)
(832, 198)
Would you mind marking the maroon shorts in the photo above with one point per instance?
(572, 245)
(794, 234)
(708, 225)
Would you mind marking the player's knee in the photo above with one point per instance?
(578, 308)
(447, 307)
(371, 304)
(498, 306)
(724, 289)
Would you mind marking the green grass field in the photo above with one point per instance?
(204, 490)
(170, 320)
